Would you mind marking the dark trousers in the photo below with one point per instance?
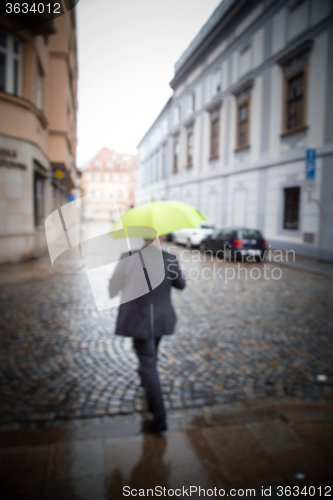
(146, 351)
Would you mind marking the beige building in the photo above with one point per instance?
(106, 173)
(38, 106)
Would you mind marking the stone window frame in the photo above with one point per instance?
(13, 60)
(216, 83)
(177, 114)
(40, 176)
(287, 206)
(294, 63)
(190, 103)
(291, 181)
(40, 87)
(214, 149)
(189, 132)
(215, 118)
(302, 70)
(243, 95)
(189, 157)
(164, 161)
(175, 157)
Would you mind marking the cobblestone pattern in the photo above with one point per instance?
(59, 357)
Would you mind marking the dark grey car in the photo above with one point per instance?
(236, 244)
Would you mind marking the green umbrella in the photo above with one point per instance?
(164, 216)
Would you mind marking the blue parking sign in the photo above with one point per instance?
(310, 164)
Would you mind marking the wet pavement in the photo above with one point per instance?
(248, 338)
(284, 450)
(247, 378)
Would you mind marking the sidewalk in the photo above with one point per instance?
(244, 447)
(323, 268)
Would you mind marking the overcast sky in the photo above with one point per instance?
(127, 50)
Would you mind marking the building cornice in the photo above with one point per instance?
(192, 55)
(290, 156)
(23, 139)
(25, 104)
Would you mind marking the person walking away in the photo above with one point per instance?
(146, 319)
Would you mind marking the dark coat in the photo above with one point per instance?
(152, 314)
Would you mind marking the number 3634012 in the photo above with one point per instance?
(36, 7)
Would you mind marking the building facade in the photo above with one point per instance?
(251, 94)
(38, 106)
(108, 176)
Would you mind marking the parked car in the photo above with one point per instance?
(193, 236)
(168, 237)
(237, 243)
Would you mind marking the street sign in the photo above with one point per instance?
(310, 164)
(59, 173)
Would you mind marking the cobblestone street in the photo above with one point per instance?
(245, 339)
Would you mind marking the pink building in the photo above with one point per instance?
(108, 170)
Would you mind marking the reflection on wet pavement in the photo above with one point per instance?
(96, 459)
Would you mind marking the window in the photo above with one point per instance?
(163, 161)
(120, 178)
(111, 178)
(175, 156)
(2, 72)
(243, 124)
(190, 104)
(216, 234)
(295, 102)
(120, 194)
(56, 196)
(214, 136)
(109, 164)
(295, 67)
(39, 93)
(177, 115)
(189, 161)
(157, 166)
(291, 208)
(39, 200)
(216, 82)
(206, 225)
(119, 166)
(249, 234)
(10, 64)
(98, 163)
(245, 60)
(102, 178)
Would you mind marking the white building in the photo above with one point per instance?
(252, 92)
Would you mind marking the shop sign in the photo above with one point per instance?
(9, 159)
(59, 174)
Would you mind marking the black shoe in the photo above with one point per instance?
(155, 426)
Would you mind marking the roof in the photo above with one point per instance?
(104, 155)
(210, 31)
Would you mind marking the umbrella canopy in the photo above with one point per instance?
(164, 216)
